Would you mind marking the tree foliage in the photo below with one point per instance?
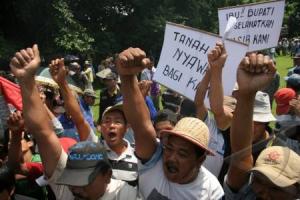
(101, 28)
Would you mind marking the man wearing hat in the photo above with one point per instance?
(262, 116)
(111, 93)
(120, 152)
(85, 172)
(276, 173)
(86, 101)
(296, 67)
(170, 168)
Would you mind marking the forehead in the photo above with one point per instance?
(115, 114)
(179, 143)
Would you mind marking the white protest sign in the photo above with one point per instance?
(183, 60)
(258, 25)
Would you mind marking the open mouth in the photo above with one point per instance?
(171, 168)
(112, 135)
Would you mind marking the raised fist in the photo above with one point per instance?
(132, 61)
(25, 63)
(255, 72)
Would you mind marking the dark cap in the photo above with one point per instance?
(293, 80)
(85, 159)
(90, 93)
(107, 73)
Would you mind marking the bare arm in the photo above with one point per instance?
(129, 63)
(254, 73)
(24, 66)
(217, 58)
(59, 72)
(201, 110)
(16, 126)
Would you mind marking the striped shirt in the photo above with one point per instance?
(125, 165)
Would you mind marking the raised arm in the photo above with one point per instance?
(129, 63)
(201, 110)
(217, 58)
(59, 72)
(15, 124)
(24, 65)
(254, 73)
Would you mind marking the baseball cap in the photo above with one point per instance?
(107, 73)
(192, 130)
(262, 108)
(90, 93)
(282, 97)
(297, 56)
(118, 106)
(280, 165)
(293, 80)
(85, 159)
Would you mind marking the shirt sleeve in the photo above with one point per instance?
(58, 128)
(244, 193)
(61, 165)
(92, 136)
(142, 167)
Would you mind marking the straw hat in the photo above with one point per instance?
(192, 130)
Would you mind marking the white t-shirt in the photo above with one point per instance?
(216, 143)
(116, 189)
(155, 186)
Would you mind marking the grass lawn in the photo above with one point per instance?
(283, 64)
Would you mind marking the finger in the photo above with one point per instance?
(219, 51)
(245, 63)
(260, 63)
(252, 59)
(265, 65)
(271, 67)
(30, 53)
(20, 58)
(25, 56)
(36, 51)
(14, 62)
(146, 62)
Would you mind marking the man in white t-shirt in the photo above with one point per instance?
(85, 173)
(169, 168)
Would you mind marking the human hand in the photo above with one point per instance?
(295, 106)
(25, 63)
(217, 57)
(145, 86)
(15, 122)
(132, 61)
(58, 71)
(255, 72)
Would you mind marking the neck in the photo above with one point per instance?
(27, 156)
(112, 89)
(120, 148)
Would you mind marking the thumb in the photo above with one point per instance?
(146, 62)
(61, 63)
(36, 51)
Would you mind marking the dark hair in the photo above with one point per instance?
(102, 167)
(7, 179)
(166, 115)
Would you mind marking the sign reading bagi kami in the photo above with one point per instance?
(258, 25)
(183, 60)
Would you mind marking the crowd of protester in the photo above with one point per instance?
(177, 149)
